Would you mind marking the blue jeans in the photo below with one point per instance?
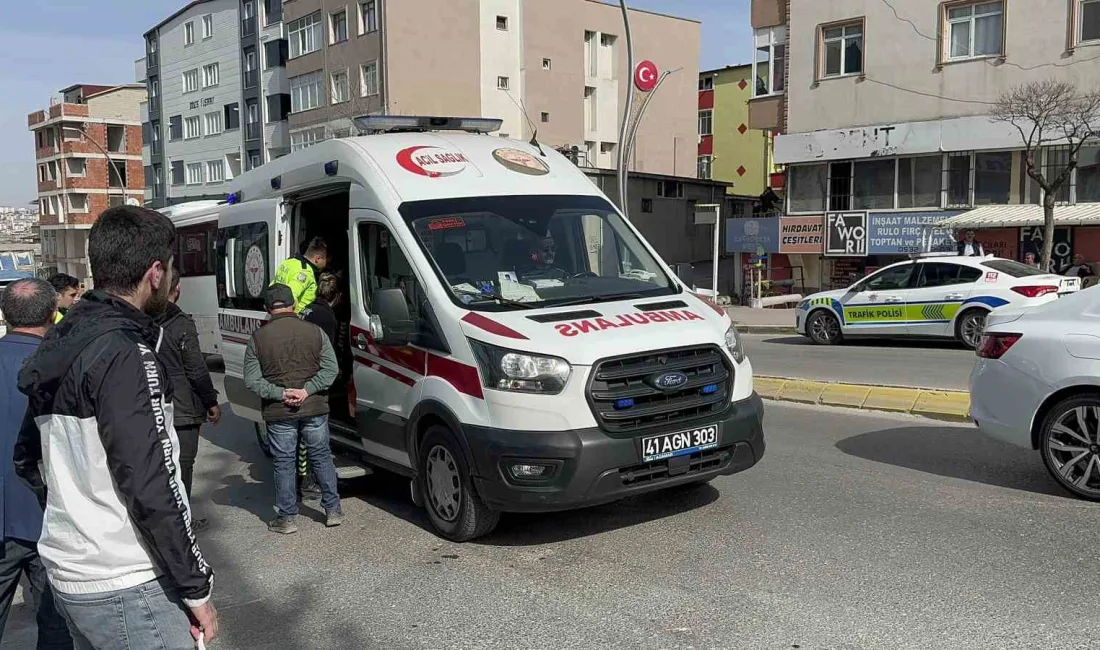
(283, 438)
(146, 617)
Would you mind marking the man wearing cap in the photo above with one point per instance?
(290, 364)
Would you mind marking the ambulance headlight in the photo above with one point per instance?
(735, 345)
(521, 372)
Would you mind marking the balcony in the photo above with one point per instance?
(768, 13)
(766, 113)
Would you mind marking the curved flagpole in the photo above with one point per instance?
(641, 112)
(623, 128)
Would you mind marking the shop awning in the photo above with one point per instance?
(1016, 216)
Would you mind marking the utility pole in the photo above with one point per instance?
(623, 173)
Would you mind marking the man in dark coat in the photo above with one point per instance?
(195, 400)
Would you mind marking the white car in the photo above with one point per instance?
(1037, 385)
(931, 297)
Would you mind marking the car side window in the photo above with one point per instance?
(891, 279)
(937, 274)
(969, 274)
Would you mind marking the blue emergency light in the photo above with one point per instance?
(624, 403)
(709, 389)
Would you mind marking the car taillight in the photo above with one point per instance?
(994, 344)
(1036, 290)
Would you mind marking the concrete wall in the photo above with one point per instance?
(894, 53)
(175, 58)
(733, 148)
(501, 56)
(122, 104)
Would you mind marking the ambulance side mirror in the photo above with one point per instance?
(393, 312)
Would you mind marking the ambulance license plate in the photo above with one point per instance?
(681, 443)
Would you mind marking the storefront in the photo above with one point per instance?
(1014, 231)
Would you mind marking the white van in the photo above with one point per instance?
(513, 343)
(196, 233)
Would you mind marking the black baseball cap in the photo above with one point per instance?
(278, 296)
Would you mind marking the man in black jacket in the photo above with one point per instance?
(193, 394)
(117, 531)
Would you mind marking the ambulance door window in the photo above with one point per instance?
(242, 265)
(386, 267)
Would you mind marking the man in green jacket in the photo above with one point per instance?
(300, 273)
(290, 364)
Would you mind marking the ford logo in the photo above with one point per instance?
(669, 381)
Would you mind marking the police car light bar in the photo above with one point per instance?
(399, 123)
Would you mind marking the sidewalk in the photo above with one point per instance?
(762, 321)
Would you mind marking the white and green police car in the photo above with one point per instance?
(930, 297)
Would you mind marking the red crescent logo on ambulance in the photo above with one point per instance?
(433, 162)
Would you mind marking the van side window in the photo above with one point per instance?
(195, 246)
(386, 267)
(243, 266)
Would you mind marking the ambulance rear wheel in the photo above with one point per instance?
(824, 328)
(454, 507)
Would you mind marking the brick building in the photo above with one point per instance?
(88, 153)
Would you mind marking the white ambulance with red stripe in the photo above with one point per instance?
(509, 341)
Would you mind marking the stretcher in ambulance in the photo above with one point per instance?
(508, 340)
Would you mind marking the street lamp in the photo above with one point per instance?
(626, 110)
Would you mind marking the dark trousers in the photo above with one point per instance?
(189, 449)
(20, 557)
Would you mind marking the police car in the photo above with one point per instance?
(928, 297)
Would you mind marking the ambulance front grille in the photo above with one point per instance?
(624, 401)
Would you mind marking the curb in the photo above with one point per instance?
(950, 405)
(765, 329)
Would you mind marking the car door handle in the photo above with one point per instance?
(361, 341)
(954, 296)
(891, 299)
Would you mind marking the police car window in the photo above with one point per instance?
(892, 278)
(1014, 269)
(937, 274)
(242, 267)
(968, 274)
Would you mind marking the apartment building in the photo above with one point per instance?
(266, 93)
(558, 67)
(729, 151)
(88, 149)
(885, 120)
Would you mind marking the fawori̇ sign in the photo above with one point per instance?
(846, 234)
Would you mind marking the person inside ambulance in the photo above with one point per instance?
(300, 273)
(538, 264)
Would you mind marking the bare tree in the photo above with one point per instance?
(1050, 113)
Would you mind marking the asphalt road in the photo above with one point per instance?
(919, 364)
(854, 532)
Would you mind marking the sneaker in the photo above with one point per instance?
(334, 518)
(311, 492)
(199, 525)
(282, 525)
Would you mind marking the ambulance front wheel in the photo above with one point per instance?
(824, 328)
(454, 507)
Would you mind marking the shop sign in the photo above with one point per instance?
(805, 235)
(1031, 241)
(846, 234)
(752, 235)
(904, 233)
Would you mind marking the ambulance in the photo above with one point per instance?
(511, 342)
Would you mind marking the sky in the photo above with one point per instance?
(52, 44)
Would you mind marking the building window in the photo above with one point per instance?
(670, 189)
(190, 81)
(278, 108)
(1088, 21)
(502, 83)
(545, 117)
(192, 128)
(958, 180)
(210, 75)
(547, 64)
(306, 91)
(213, 123)
(276, 53)
(305, 35)
(189, 33)
(806, 188)
(993, 178)
(339, 26)
(78, 202)
(340, 90)
(919, 181)
(215, 171)
(194, 174)
(77, 166)
(873, 184)
(842, 50)
(251, 68)
(254, 160)
(590, 108)
(840, 185)
(706, 83)
(207, 26)
(175, 127)
(502, 23)
(1054, 161)
(703, 169)
(252, 123)
(368, 17)
(591, 56)
(177, 173)
(975, 30)
(306, 138)
(769, 64)
(368, 83)
(706, 122)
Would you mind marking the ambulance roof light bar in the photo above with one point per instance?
(414, 123)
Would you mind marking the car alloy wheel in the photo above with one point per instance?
(444, 485)
(971, 328)
(824, 328)
(1071, 445)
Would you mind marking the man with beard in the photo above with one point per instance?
(117, 534)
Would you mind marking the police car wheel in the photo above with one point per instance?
(1070, 445)
(454, 507)
(970, 327)
(824, 328)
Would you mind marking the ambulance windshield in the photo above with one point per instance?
(496, 252)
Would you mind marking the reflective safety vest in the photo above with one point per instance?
(301, 276)
(57, 317)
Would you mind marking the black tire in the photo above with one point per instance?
(1056, 459)
(968, 322)
(471, 518)
(261, 438)
(823, 328)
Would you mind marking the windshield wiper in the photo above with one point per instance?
(495, 296)
(591, 299)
